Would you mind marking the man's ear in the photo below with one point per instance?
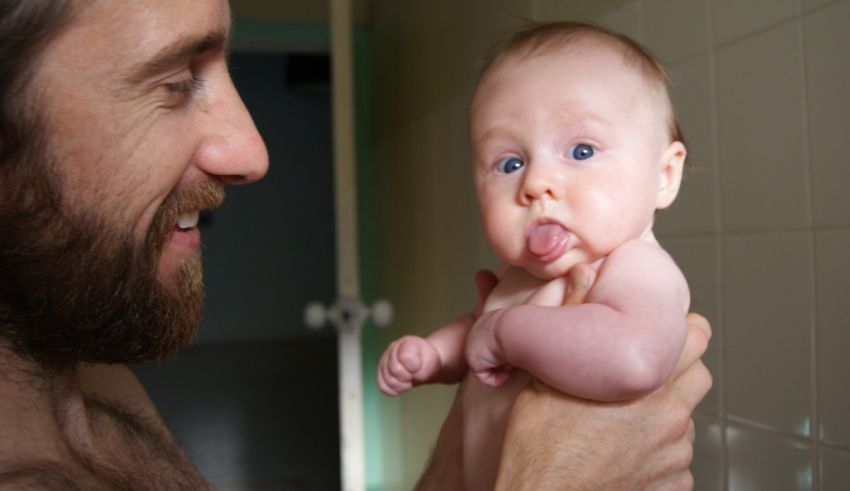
(670, 177)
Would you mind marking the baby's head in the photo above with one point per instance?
(575, 145)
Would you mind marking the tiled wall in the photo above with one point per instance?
(762, 226)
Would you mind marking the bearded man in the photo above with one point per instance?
(118, 124)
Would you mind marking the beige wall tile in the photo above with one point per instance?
(735, 18)
(624, 19)
(833, 335)
(813, 4)
(835, 470)
(706, 466)
(764, 461)
(695, 209)
(698, 259)
(425, 408)
(827, 36)
(578, 10)
(767, 326)
(676, 29)
(762, 163)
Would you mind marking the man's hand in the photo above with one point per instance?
(555, 441)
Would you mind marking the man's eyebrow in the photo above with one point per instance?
(177, 53)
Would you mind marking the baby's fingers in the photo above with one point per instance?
(409, 356)
(385, 380)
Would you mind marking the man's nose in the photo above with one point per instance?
(233, 150)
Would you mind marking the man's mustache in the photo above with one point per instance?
(205, 195)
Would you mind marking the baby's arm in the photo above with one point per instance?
(413, 360)
(622, 343)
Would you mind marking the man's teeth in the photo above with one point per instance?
(188, 220)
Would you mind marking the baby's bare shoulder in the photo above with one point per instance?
(639, 267)
(640, 254)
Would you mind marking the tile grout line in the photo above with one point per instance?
(723, 470)
(814, 429)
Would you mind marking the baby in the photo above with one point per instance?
(575, 145)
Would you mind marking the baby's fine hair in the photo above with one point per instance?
(539, 38)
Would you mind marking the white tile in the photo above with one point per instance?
(676, 29)
(698, 260)
(761, 157)
(695, 209)
(833, 335)
(735, 18)
(767, 328)
(827, 33)
(706, 466)
(835, 470)
(764, 461)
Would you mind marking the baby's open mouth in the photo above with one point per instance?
(548, 241)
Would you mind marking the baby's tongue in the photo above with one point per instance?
(545, 238)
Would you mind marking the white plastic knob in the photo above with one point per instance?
(315, 315)
(382, 312)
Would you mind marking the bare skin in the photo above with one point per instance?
(554, 441)
(569, 171)
(85, 429)
(138, 103)
(550, 429)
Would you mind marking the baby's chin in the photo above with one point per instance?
(559, 267)
(545, 272)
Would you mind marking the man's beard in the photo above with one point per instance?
(74, 290)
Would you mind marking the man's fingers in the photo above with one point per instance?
(692, 431)
(699, 332)
(700, 322)
(485, 281)
(693, 385)
(582, 278)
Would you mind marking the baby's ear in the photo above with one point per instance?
(670, 177)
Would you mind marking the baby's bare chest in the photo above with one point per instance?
(517, 287)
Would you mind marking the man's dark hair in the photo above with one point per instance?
(25, 28)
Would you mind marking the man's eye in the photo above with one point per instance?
(509, 165)
(581, 151)
(186, 86)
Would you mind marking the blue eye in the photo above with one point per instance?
(581, 151)
(509, 165)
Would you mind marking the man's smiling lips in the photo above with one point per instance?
(185, 232)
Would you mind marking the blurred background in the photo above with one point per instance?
(761, 229)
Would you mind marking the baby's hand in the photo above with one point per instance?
(483, 354)
(408, 361)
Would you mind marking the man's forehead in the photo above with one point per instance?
(121, 34)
